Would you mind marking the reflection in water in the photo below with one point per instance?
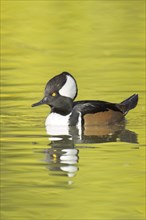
(63, 155)
(93, 134)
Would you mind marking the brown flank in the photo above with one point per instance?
(103, 118)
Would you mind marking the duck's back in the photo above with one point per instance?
(100, 112)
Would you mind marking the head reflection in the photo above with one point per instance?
(62, 157)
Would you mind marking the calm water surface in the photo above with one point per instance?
(98, 174)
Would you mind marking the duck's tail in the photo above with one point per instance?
(128, 104)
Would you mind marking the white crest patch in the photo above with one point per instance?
(69, 89)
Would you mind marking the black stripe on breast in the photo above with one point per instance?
(73, 121)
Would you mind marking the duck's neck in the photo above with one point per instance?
(64, 108)
(61, 111)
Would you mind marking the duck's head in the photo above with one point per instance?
(59, 93)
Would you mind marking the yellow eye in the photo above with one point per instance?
(54, 94)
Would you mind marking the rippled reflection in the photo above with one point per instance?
(63, 154)
(93, 134)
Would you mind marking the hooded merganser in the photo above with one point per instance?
(60, 93)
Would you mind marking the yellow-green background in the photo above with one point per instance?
(102, 44)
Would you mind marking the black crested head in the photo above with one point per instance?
(64, 84)
(60, 91)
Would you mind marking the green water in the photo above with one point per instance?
(102, 44)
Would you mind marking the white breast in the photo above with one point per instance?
(57, 120)
(57, 124)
